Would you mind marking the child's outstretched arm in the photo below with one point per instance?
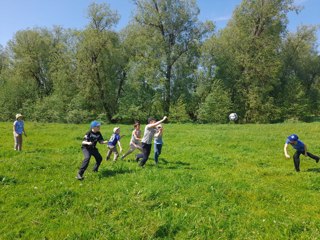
(285, 150)
(157, 123)
(120, 146)
(84, 142)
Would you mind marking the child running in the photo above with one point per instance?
(112, 144)
(92, 137)
(149, 132)
(18, 130)
(301, 148)
(135, 142)
(158, 143)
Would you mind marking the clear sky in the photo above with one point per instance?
(18, 15)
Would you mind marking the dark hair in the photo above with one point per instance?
(136, 124)
(151, 119)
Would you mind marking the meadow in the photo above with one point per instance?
(213, 182)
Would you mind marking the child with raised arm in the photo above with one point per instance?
(158, 143)
(135, 142)
(18, 130)
(300, 148)
(90, 140)
(112, 144)
(149, 132)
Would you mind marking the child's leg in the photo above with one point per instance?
(296, 161)
(313, 156)
(156, 153)
(116, 154)
(109, 152)
(98, 158)
(15, 141)
(159, 148)
(146, 152)
(139, 147)
(85, 161)
(132, 148)
(19, 142)
(138, 156)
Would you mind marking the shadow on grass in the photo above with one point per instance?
(165, 164)
(313, 170)
(111, 173)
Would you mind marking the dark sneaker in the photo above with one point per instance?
(317, 160)
(79, 177)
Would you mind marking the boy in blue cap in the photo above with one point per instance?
(90, 140)
(300, 147)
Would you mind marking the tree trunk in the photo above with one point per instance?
(167, 87)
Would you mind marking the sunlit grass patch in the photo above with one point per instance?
(212, 181)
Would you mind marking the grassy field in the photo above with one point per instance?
(212, 182)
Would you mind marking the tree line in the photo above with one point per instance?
(165, 62)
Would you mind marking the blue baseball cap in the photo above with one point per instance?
(293, 137)
(95, 124)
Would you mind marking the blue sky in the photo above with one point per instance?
(18, 15)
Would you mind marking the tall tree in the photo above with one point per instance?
(299, 89)
(173, 29)
(247, 55)
(30, 51)
(101, 60)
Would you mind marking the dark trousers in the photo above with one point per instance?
(157, 151)
(296, 159)
(146, 149)
(88, 152)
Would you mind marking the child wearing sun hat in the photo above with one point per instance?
(18, 130)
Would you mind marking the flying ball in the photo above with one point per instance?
(233, 117)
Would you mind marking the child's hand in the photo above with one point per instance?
(287, 156)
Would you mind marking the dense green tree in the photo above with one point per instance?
(247, 56)
(164, 62)
(172, 29)
(101, 61)
(299, 89)
(178, 112)
(216, 105)
(31, 53)
(1, 58)
(26, 73)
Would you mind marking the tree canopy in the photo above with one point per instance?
(165, 62)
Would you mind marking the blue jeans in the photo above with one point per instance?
(157, 151)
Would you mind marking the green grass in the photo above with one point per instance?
(212, 182)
